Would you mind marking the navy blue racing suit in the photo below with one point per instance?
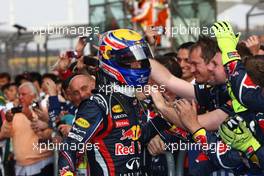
(251, 97)
(229, 159)
(219, 156)
(110, 125)
(245, 90)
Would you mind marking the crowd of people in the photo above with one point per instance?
(120, 112)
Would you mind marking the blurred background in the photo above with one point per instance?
(34, 32)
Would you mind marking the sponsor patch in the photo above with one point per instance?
(119, 116)
(117, 109)
(121, 149)
(77, 130)
(82, 123)
(132, 134)
(133, 164)
(233, 54)
(75, 136)
(122, 123)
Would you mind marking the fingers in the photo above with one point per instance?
(9, 116)
(6, 128)
(60, 127)
(38, 125)
(35, 125)
(157, 98)
(151, 150)
(177, 106)
(38, 111)
(187, 114)
(41, 114)
(155, 94)
(217, 28)
(182, 105)
(225, 133)
(64, 129)
(156, 146)
(162, 145)
(223, 26)
(154, 151)
(238, 118)
(180, 108)
(234, 121)
(252, 40)
(194, 106)
(151, 31)
(227, 26)
(57, 139)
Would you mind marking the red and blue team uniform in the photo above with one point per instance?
(251, 97)
(113, 126)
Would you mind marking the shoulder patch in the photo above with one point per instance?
(117, 108)
(82, 122)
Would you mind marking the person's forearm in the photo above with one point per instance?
(212, 120)
(178, 86)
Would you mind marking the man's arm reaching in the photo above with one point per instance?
(178, 86)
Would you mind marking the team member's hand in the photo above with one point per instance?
(62, 63)
(9, 116)
(57, 139)
(158, 99)
(253, 43)
(80, 46)
(188, 114)
(235, 133)
(156, 146)
(50, 86)
(227, 41)
(65, 129)
(151, 35)
(38, 125)
(42, 115)
(6, 129)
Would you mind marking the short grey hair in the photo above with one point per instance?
(31, 86)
